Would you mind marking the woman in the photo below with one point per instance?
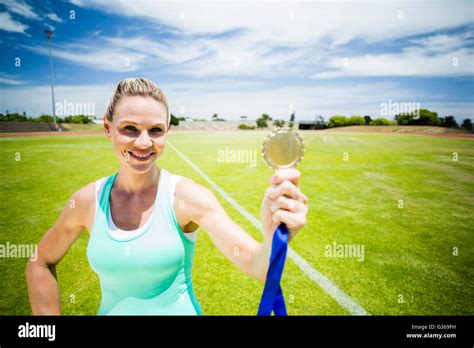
(142, 220)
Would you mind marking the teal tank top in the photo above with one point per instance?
(149, 272)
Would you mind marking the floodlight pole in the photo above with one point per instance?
(49, 34)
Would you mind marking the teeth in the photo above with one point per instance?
(141, 155)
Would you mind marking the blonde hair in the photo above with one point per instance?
(136, 86)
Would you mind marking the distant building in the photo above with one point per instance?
(317, 123)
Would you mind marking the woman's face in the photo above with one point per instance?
(138, 132)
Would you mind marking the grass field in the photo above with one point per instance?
(403, 198)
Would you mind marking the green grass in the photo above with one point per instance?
(408, 251)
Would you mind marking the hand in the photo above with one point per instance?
(284, 203)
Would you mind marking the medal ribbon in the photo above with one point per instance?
(272, 297)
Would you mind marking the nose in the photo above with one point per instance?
(143, 140)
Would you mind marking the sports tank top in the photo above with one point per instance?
(148, 272)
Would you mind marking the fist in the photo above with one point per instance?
(283, 202)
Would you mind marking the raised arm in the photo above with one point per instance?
(43, 289)
(283, 202)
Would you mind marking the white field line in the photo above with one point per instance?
(324, 282)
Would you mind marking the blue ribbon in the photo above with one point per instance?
(272, 297)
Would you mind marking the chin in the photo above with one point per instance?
(141, 168)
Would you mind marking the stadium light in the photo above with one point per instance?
(49, 34)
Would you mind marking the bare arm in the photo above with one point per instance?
(43, 289)
(202, 207)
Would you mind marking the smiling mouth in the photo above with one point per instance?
(141, 156)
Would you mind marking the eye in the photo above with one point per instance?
(156, 129)
(130, 128)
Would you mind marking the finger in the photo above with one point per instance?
(286, 188)
(281, 175)
(291, 220)
(289, 204)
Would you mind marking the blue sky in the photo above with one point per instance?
(243, 58)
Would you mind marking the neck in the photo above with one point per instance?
(132, 183)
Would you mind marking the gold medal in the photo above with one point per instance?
(283, 148)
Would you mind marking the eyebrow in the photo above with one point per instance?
(156, 125)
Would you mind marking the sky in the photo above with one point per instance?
(242, 57)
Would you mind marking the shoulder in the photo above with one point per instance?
(194, 198)
(85, 195)
(188, 188)
(82, 204)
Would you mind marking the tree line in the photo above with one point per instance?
(418, 117)
(16, 117)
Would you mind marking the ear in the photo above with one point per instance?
(106, 127)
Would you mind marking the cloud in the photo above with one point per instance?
(54, 17)
(20, 8)
(188, 56)
(437, 55)
(296, 22)
(96, 56)
(9, 24)
(445, 43)
(243, 55)
(294, 38)
(11, 80)
(167, 51)
(238, 55)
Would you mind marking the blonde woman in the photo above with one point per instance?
(143, 220)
